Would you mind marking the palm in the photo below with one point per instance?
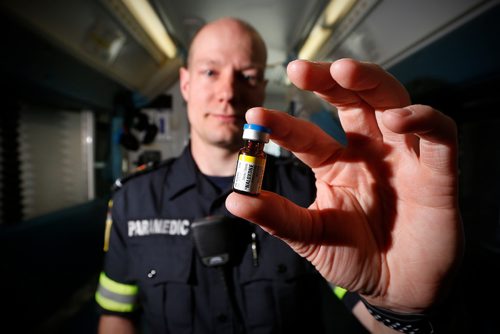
(364, 223)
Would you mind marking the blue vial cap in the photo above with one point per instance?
(256, 127)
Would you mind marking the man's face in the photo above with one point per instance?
(223, 80)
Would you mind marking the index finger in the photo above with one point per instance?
(305, 139)
(348, 82)
(360, 91)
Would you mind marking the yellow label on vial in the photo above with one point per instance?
(249, 174)
(252, 160)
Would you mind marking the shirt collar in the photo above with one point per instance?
(185, 175)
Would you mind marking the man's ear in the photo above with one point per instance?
(184, 82)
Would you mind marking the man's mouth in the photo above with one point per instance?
(228, 118)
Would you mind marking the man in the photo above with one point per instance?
(266, 288)
(384, 223)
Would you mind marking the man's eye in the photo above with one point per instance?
(209, 73)
(250, 78)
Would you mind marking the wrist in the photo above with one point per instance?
(421, 323)
(446, 316)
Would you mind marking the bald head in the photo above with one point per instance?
(224, 77)
(231, 30)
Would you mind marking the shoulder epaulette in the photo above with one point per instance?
(140, 170)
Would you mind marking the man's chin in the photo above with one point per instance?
(232, 144)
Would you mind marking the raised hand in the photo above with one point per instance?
(385, 222)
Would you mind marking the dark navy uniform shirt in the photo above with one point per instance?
(151, 248)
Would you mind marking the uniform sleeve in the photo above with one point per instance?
(116, 293)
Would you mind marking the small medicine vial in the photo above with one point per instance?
(251, 160)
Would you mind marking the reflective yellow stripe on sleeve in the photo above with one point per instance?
(109, 222)
(114, 296)
(339, 292)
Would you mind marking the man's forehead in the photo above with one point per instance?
(232, 41)
(206, 60)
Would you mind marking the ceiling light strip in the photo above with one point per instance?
(144, 25)
(323, 29)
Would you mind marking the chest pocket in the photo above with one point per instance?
(162, 267)
(281, 294)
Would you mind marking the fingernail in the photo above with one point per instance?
(403, 112)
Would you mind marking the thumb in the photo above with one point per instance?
(275, 214)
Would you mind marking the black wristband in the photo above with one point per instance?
(404, 323)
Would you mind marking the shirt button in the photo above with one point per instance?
(281, 268)
(222, 317)
(152, 273)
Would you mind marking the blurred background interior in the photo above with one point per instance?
(89, 91)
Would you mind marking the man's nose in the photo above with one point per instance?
(227, 87)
